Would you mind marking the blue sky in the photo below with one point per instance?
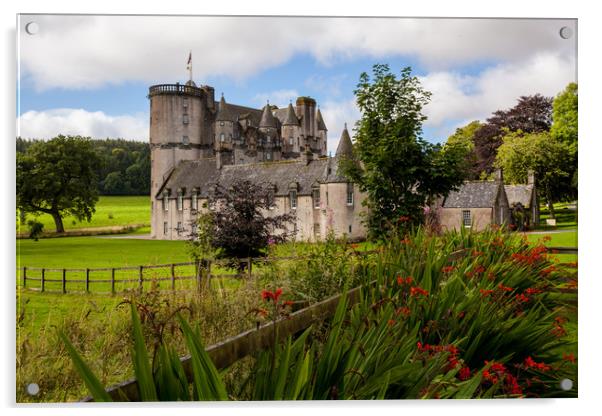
(89, 75)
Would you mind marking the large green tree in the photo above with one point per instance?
(58, 177)
(464, 138)
(546, 156)
(565, 123)
(398, 169)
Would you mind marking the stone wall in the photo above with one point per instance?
(451, 218)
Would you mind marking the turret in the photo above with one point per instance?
(268, 128)
(177, 128)
(306, 108)
(345, 147)
(290, 132)
(322, 133)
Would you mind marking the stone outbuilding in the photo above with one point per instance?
(524, 203)
(476, 205)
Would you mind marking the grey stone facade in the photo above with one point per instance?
(197, 142)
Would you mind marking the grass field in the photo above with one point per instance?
(565, 213)
(110, 211)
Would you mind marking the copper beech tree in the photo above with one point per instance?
(239, 223)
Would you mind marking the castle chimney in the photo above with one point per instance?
(499, 175)
(308, 156)
(530, 177)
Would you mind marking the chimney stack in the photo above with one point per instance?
(530, 177)
(499, 175)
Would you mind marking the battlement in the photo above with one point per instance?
(175, 89)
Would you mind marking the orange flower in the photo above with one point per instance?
(416, 291)
(569, 357)
(390, 322)
(485, 292)
(448, 269)
(505, 288)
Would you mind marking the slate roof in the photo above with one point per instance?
(345, 148)
(473, 194)
(291, 118)
(320, 121)
(519, 193)
(203, 173)
(267, 118)
(232, 112)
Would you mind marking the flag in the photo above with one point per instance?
(189, 63)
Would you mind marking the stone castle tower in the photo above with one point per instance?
(186, 123)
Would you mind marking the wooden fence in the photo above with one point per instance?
(227, 352)
(118, 279)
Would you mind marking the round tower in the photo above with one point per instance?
(178, 114)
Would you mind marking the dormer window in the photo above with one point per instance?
(165, 201)
(180, 201)
(194, 200)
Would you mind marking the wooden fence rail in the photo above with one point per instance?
(136, 278)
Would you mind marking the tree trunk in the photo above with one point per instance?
(550, 205)
(58, 222)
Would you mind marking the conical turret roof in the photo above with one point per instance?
(345, 147)
(223, 113)
(267, 118)
(291, 118)
(320, 121)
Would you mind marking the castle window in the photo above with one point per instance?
(165, 201)
(315, 193)
(222, 137)
(349, 228)
(185, 102)
(185, 119)
(221, 123)
(466, 218)
(185, 140)
(194, 201)
(179, 229)
(165, 228)
(290, 141)
(349, 194)
(293, 199)
(180, 201)
(268, 156)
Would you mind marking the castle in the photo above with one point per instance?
(197, 142)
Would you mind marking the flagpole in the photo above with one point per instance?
(190, 65)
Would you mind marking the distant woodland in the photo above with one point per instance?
(124, 168)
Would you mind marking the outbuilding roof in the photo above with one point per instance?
(522, 194)
(473, 194)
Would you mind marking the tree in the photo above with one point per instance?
(58, 177)
(565, 123)
(238, 224)
(399, 171)
(532, 114)
(464, 137)
(543, 154)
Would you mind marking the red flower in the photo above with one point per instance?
(404, 310)
(266, 295)
(476, 253)
(390, 322)
(533, 291)
(277, 294)
(485, 292)
(512, 386)
(448, 269)
(505, 288)
(399, 280)
(404, 218)
(287, 303)
(417, 291)
(522, 298)
(530, 363)
(409, 280)
(490, 276)
(464, 373)
(570, 357)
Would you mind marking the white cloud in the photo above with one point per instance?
(281, 98)
(71, 121)
(336, 114)
(91, 51)
(465, 98)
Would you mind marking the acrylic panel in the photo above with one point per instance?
(295, 208)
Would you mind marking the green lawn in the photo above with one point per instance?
(566, 216)
(82, 252)
(110, 211)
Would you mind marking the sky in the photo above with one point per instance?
(89, 75)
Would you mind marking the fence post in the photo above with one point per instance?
(24, 277)
(140, 280)
(113, 280)
(249, 265)
(64, 280)
(87, 280)
(173, 277)
(43, 279)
